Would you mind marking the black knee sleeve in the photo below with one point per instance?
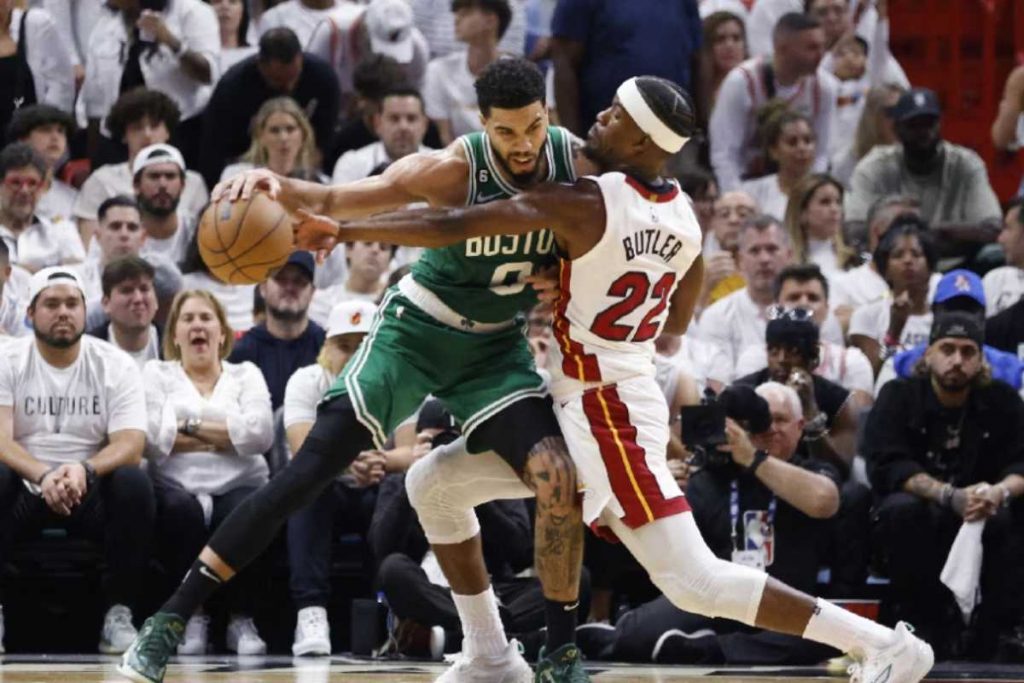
(513, 432)
(335, 440)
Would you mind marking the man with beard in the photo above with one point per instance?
(158, 174)
(452, 328)
(946, 447)
(957, 200)
(288, 340)
(77, 407)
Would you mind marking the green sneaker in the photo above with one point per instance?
(145, 660)
(564, 665)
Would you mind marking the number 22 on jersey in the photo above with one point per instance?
(635, 290)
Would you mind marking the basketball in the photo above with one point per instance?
(243, 242)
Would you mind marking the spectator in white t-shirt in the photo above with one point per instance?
(433, 19)
(121, 234)
(804, 286)
(1004, 286)
(738, 320)
(863, 285)
(233, 22)
(367, 267)
(46, 129)
(448, 89)
(75, 20)
(139, 118)
(309, 530)
(33, 241)
(301, 16)
(174, 50)
(72, 430)
(814, 221)
(158, 178)
(354, 33)
(209, 424)
(789, 148)
(906, 257)
(789, 75)
(282, 141)
(400, 125)
(129, 300)
(709, 366)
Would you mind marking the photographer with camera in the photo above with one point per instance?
(756, 501)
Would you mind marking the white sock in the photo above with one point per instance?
(844, 630)
(482, 632)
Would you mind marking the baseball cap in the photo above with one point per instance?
(959, 282)
(50, 277)
(350, 317)
(915, 102)
(389, 25)
(304, 260)
(160, 153)
(958, 325)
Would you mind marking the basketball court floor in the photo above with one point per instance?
(93, 669)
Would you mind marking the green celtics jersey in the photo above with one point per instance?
(482, 278)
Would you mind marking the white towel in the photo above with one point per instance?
(962, 572)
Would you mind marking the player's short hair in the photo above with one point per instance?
(905, 225)
(279, 45)
(113, 202)
(21, 155)
(792, 23)
(124, 269)
(509, 83)
(803, 272)
(138, 104)
(501, 8)
(670, 103)
(27, 119)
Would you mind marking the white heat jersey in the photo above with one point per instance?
(614, 299)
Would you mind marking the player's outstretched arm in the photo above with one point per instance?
(684, 301)
(575, 213)
(438, 178)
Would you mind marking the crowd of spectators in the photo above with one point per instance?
(861, 276)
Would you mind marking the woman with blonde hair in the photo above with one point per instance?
(814, 221)
(282, 141)
(210, 423)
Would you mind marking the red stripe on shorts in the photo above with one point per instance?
(576, 362)
(633, 483)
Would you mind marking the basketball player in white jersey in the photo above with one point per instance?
(630, 269)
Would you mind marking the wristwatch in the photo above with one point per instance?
(759, 457)
(191, 426)
(816, 426)
(90, 474)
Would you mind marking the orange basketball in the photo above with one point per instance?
(243, 242)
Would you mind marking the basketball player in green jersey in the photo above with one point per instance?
(451, 329)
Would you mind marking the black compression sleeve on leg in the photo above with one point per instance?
(514, 431)
(335, 440)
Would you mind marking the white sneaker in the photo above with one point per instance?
(510, 667)
(196, 637)
(243, 638)
(312, 633)
(907, 659)
(118, 631)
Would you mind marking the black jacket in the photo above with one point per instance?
(897, 441)
(277, 358)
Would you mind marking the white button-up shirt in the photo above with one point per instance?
(43, 244)
(192, 21)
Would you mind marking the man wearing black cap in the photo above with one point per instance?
(288, 340)
(945, 447)
(951, 181)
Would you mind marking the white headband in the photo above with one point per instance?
(633, 102)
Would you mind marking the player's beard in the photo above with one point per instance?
(530, 177)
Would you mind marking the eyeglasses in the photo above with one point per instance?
(15, 183)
